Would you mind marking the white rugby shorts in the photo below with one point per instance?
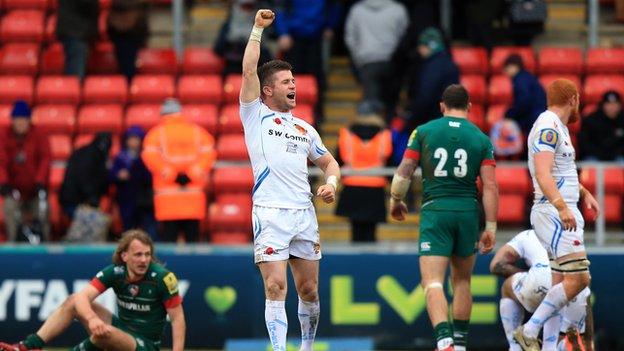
(280, 233)
(531, 287)
(549, 230)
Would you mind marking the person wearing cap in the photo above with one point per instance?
(179, 154)
(529, 97)
(602, 132)
(24, 167)
(364, 145)
(437, 72)
(134, 193)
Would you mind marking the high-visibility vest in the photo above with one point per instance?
(174, 146)
(360, 155)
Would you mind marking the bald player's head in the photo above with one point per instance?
(564, 94)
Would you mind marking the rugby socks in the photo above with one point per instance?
(86, 345)
(443, 335)
(277, 323)
(551, 332)
(511, 314)
(460, 334)
(575, 312)
(553, 302)
(33, 341)
(309, 313)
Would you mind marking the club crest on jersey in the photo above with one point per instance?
(133, 290)
(301, 130)
(549, 137)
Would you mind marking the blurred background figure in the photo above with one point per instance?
(180, 155)
(76, 28)
(24, 167)
(364, 145)
(134, 194)
(373, 31)
(507, 140)
(437, 72)
(480, 16)
(128, 30)
(602, 132)
(234, 34)
(529, 97)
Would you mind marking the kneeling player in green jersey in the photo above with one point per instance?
(146, 293)
(452, 153)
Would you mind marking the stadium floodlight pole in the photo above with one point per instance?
(594, 14)
(177, 9)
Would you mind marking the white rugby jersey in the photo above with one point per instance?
(279, 146)
(529, 248)
(550, 134)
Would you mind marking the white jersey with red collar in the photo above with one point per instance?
(279, 146)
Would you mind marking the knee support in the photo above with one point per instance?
(576, 265)
(434, 285)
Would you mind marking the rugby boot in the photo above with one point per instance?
(15, 347)
(526, 343)
(450, 348)
(574, 342)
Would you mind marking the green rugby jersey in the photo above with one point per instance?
(451, 151)
(142, 305)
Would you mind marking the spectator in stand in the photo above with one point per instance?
(602, 132)
(76, 28)
(529, 98)
(134, 184)
(179, 154)
(302, 27)
(24, 167)
(480, 16)
(127, 27)
(86, 175)
(437, 72)
(373, 31)
(364, 145)
(234, 34)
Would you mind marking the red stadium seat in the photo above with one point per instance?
(304, 112)
(200, 89)
(612, 210)
(494, 114)
(5, 115)
(58, 90)
(60, 147)
(203, 115)
(50, 29)
(476, 116)
(229, 120)
(102, 59)
(157, 61)
(105, 90)
(596, 86)
(100, 118)
(151, 88)
(25, 4)
(514, 180)
(19, 58)
(511, 208)
(500, 54)
(201, 61)
(232, 180)
(57, 172)
(52, 60)
(560, 61)
(230, 238)
(307, 89)
(55, 119)
(102, 25)
(231, 88)
(471, 60)
(231, 147)
(144, 116)
(500, 90)
(475, 84)
(546, 79)
(231, 212)
(85, 139)
(604, 61)
(613, 180)
(16, 87)
(22, 25)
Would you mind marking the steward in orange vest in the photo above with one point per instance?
(179, 154)
(364, 145)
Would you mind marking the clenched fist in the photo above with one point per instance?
(264, 18)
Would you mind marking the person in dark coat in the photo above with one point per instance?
(86, 175)
(529, 97)
(127, 27)
(437, 72)
(134, 184)
(363, 199)
(76, 27)
(602, 132)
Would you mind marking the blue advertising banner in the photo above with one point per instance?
(375, 296)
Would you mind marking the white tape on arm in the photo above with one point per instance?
(333, 181)
(399, 187)
(256, 34)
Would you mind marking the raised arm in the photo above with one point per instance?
(503, 262)
(178, 327)
(250, 87)
(490, 207)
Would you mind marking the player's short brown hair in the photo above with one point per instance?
(455, 96)
(560, 91)
(127, 238)
(268, 69)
